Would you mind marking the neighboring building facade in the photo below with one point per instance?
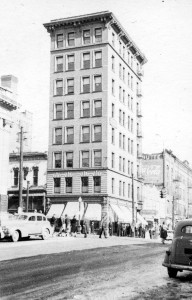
(8, 105)
(165, 170)
(34, 168)
(95, 137)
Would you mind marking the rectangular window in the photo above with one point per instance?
(97, 108)
(98, 35)
(70, 62)
(120, 116)
(57, 159)
(70, 86)
(119, 187)
(119, 163)
(59, 40)
(71, 39)
(128, 58)
(68, 184)
(128, 167)
(97, 158)
(131, 168)
(132, 82)
(131, 146)
(120, 89)
(113, 39)
(128, 122)
(84, 184)
(16, 176)
(85, 138)
(58, 136)
(123, 119)
(113, 136)
(113, 110)
(69, 135)
(57, 185)
(123, 189)
(120, 44)
(69, 159)
(97, 83)
(86, 84)
(123, 142)
(85, 159)
(113, 87)
(59, 87)
(98, 59)
(128, 79)
(70, 110)
(113, 63)
(58, 111)
(124, 165)
(128, 101)
(112, 160)
(86, 37)
(123, 51)
(123, 96)
(97, 184)
(129, 190)
(120, 71)
(131, 61)
(86, 60)
(120, 140)
(85, 109)
(128, 146)
(131, 106)
(131, 125)
(97, 133)
(59, 64)
(113, 185)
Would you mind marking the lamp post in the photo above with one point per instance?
(79, 226)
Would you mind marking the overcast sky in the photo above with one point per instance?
(161, 29)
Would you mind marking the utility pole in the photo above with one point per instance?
(133, 206)
(21, 170)
(173, 212)
(27, 206)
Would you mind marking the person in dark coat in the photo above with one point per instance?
(85, 229)
(163, 233)
(102, 230)
(53, 222)
(67, 225)
(74, 226)
(92, 228)
(110, 229)
(128, 230)
(140, 231)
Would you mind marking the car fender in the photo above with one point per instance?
(23, 232)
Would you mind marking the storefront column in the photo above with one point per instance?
(105, 214)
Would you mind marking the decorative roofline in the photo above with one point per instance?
(108, 18)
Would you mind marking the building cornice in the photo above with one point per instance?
(109, 20)
(28, 156)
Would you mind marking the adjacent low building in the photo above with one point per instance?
(34, 184)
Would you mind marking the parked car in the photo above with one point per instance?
(179, 255)
(169, 235)
(25, 225)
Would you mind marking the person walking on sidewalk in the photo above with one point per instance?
(163, 233)
(102, 230)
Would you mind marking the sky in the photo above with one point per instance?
(161, 29)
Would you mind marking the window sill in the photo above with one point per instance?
(95, 67)
(69, 143)
(84, 142)
(98, 91)
(85, 117)
(55, 144)
(57, 119)
(70, 94)
(55, 72)
(96, 141)
(58, 95)
(70, 70)
(69, 118)
(85, 92)
(97, 116)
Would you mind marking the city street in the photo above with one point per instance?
(92, 268)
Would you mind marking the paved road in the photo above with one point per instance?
(103, 269)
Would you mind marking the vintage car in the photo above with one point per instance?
(179, 255)
(25, 225)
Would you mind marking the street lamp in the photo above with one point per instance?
(79, 226)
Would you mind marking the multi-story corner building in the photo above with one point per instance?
(35, 171)
(95, 114)
(166, 171)
(7, 106)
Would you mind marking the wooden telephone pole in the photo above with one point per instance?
(21, 170)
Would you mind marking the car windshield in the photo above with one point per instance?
(21, 217)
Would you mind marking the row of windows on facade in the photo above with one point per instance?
(122, 92)
(86, 161)
(95, 36)
(84, 113)
(85, 85)
(85, 184)
(127, 77)
(86, 136)
(25, 171)
(87, 61)
(85, 158)
(88, 36)
(122, 142)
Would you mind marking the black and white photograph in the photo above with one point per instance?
(95, 149)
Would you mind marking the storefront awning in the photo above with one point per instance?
(72, 209)
(141, 220)
(56, 209)
(122, 213)
(93, 212)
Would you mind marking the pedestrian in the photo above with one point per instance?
(163, 233)
(102, 230)
(61, 225)
(92, 228)
(140, 231)
(74, 226)
(128, 230)
(123, 229)
(53, 222)
(147, 236)
(67, 225)
(110, 228)
(85, 229)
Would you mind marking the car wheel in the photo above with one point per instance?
(15, 236)
(172, 272)
(45, 234)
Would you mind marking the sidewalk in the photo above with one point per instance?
(34, 247)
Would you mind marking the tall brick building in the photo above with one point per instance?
(95, 115)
